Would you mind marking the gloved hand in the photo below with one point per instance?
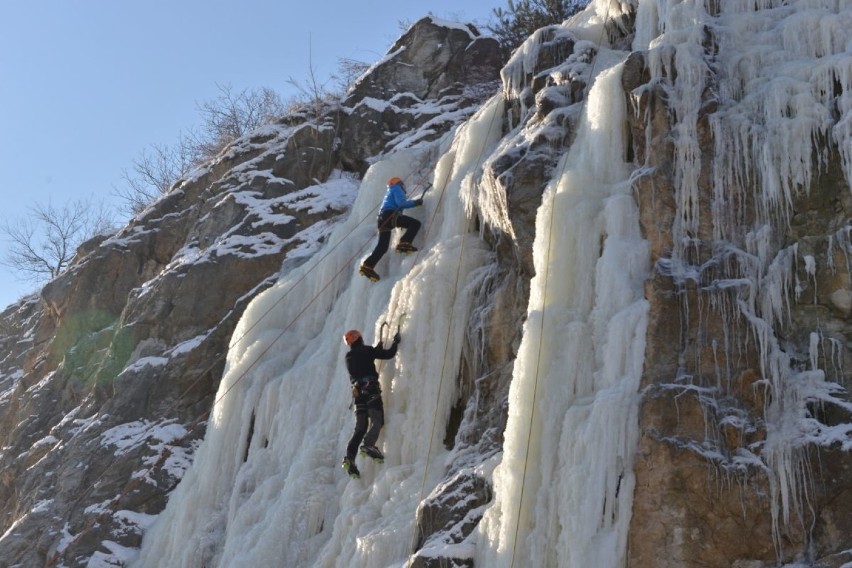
(418, 202)
(397, 338)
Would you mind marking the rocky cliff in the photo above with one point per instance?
(109, 374)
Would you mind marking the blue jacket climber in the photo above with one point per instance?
(396, 198)
(390, 217)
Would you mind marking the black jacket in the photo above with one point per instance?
(360, 360)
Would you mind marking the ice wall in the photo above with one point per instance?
(563, 489)
(266, 488)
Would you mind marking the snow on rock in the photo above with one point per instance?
(626, 324)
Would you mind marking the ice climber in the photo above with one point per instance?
(360, 362)
(391, 217)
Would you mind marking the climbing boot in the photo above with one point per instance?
(374, 453)
(351, 468)
(368, 271)
(406, 248)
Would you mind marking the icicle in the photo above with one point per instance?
(648, 22)
(782, 81)
(522, 64)
(843, 237)
(577, 372)
(810, 268)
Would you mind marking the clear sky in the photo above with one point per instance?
(87, 85)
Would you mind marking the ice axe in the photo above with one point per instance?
(425, 189)
(399, 319)
(385, 323)
(382, 332)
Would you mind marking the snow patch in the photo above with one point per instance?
(126, 437)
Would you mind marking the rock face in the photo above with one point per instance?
(433, 61)
(710, 464)
(712, 396)
(107, 375)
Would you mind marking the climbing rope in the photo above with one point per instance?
(546, 277)
(301, 279)
(110, 507)
(195, 424)
(412, 536)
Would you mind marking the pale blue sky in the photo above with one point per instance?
(86, 85)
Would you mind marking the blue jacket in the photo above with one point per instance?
(395, 199)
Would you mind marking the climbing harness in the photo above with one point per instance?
(386, 222)
(362, 383)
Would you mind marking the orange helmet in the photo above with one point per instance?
(351, 336)
(394, 181)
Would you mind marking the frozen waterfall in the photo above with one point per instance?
(564, 486)
(266, 488)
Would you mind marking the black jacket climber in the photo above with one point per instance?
(361, 360)
(369, 410)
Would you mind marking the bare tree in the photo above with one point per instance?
(312, 95)
(224, 119)
(155, 171)
(348, 72)
(233, 115)
(43, 243)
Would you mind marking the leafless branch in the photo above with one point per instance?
(44, 242)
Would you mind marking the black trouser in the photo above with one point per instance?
(369, 409)
(387, 221)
